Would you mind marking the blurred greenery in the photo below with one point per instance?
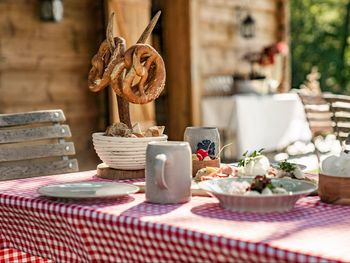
(320, 37)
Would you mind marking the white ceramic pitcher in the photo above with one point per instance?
(168, 172)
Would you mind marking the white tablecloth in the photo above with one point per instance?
(269, 121)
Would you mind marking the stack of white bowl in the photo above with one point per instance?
(122, 152)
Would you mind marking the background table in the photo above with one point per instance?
(129, 229)
(271, 122)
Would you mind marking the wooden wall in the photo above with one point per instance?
(216, 38)
(44, 65)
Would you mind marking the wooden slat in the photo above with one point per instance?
(315, 100)
(14, 119)
(321, 124)
(321, 130)
(18, 170)
(320, 119)
(342, 129)
(320, 115)
(316, 110)
(18, 152)
(336, 98)
(340, 109)
(341, 119)
(37, 133)
(342, 136)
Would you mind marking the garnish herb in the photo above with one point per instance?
(247, 158)
(286, 166)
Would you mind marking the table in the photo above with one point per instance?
(271, 122)
(129, 229)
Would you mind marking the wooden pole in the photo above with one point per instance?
(177, 51)
(283, 35)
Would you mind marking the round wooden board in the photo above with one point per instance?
(104, 171)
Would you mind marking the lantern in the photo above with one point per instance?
(51, 10)
(248, 27)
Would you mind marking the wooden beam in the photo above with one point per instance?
(283, 31)
(177, 57)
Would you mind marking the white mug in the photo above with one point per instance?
(168, 172)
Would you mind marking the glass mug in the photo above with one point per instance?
(208, 137)
(168, 172)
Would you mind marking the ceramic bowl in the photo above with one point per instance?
(334, 189)
(262, 203)
(123, 153)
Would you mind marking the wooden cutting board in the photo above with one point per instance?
(105, 172)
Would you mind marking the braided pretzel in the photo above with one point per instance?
(140, 76)
(103, 63)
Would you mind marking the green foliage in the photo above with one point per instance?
(320, 37)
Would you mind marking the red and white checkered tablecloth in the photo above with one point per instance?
(14, 255)
(128, 229)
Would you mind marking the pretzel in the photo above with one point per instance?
(103, 63)
(140, 76)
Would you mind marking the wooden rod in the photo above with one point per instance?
(124, 112)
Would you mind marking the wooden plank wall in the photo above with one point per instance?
(44, 65)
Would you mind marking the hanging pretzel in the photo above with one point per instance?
(103, 63)
(140, 76)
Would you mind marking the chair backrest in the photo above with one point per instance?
(33, 144)
(340, 108)
(318, 114)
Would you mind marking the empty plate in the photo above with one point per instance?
(88, 190)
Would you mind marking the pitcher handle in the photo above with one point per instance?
(159, 168)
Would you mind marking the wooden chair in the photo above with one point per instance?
(318, 115)
(340, 108)
(33, 144)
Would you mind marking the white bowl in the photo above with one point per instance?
(123, 153)
(260, 203)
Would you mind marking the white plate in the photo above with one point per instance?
(79, 190)
(258, 203)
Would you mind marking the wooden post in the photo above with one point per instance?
(177, 58)
(282, 17)
(124, 112)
